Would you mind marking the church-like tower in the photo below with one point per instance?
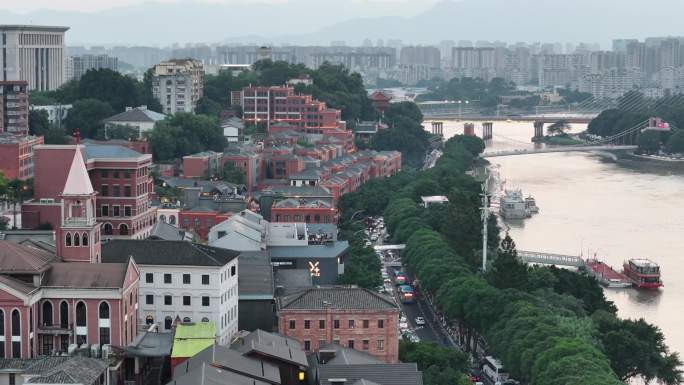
(78, 236)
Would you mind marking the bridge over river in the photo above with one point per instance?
(550, 258)
(546, 150)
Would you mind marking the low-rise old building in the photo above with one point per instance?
(182, 281)
(358, 318)
(138, 119)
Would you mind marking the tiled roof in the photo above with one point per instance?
(151, 252)
(85, 275)
(137, 115)
(19, 259)
(381, 374)
(95, 151)
(337, 297)
(74, 370)
(256, 275)
(17, 285)
(209, 375)
(271, 345)
(343, 356)
(164, 231)
(231, 360)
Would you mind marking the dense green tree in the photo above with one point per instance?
(675, 144)
(38, 121)
(440, 365)
(110, 86)
(362, 267)
(475, 90)
(208, 107)
(405, 133)
(507, 272)
(87, 115)
(55, 135)
(559, 127)
(183, 134)
(649, 142)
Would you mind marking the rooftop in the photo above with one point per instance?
(205, 374)
(85, 275)
(167, 232)
(75, 370)
(337, 297)
(230, 360)
(20, 259)
(137, 114)
(255, 280)
(271, 345)
(108, 151)
(161, 252)
(328, 250)
(192, 338)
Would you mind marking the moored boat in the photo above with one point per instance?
(513, 205)
(531, 204)
(644, 273)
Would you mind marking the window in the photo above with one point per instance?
(168, 300)
(186, 300)
(186, 279)
(307, 345)
(205, 279)
(84, 239)
(127, 191)
(115, 210)
(293, 324)
(381, 324)
(115, 174)
(48, 345)
(307, 324)
(321, 324)
(127, 174)
(351, 324)
(68, 239)
(105, 190)
(77, 240)
(127, 211)
(149, 320)
(350, 344)
(12, 379)
(123, 229)
(168, 321)
(104, 173)
(365, 344)
(149, 299)
(321, 343)
(104, 210)
(205, 301)
(149, 278)
(167, 278)
(232, 270)
(205, 319)
(81, 314)
(47, 313)
(107, 229)
(365, 324)
(63, 315)
(381, 345)
(116, 190)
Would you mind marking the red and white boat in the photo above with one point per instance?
(644, 273)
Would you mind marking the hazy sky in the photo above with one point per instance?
(391, 7)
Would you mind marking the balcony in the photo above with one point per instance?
(55, 330)
(79, 222)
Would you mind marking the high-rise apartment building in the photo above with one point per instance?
(34, 54)
(14, 107)
(178, 84)
(418, 55)
(77, 66)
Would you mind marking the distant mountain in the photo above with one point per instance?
(321, 21)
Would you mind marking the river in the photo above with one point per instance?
(591, 204)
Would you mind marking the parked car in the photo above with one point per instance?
(420, 321)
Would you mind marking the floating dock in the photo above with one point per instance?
(606, 275)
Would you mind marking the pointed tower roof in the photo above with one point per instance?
(78, 180)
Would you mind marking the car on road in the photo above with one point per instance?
(420, 321)
(403, 325)
(369, 243)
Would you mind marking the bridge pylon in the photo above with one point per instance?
(487, 130)
(438, 128)
(538, 131)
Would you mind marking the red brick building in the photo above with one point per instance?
(50, 301)
(14, 107)
(16, 155)
(119, 175)
(202, 165)
(281, 104)
(354, 317)
(302, 210)
(200, 220)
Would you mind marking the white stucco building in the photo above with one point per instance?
(139, 119)
(183, 281)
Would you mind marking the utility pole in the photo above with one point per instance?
(485, 218)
